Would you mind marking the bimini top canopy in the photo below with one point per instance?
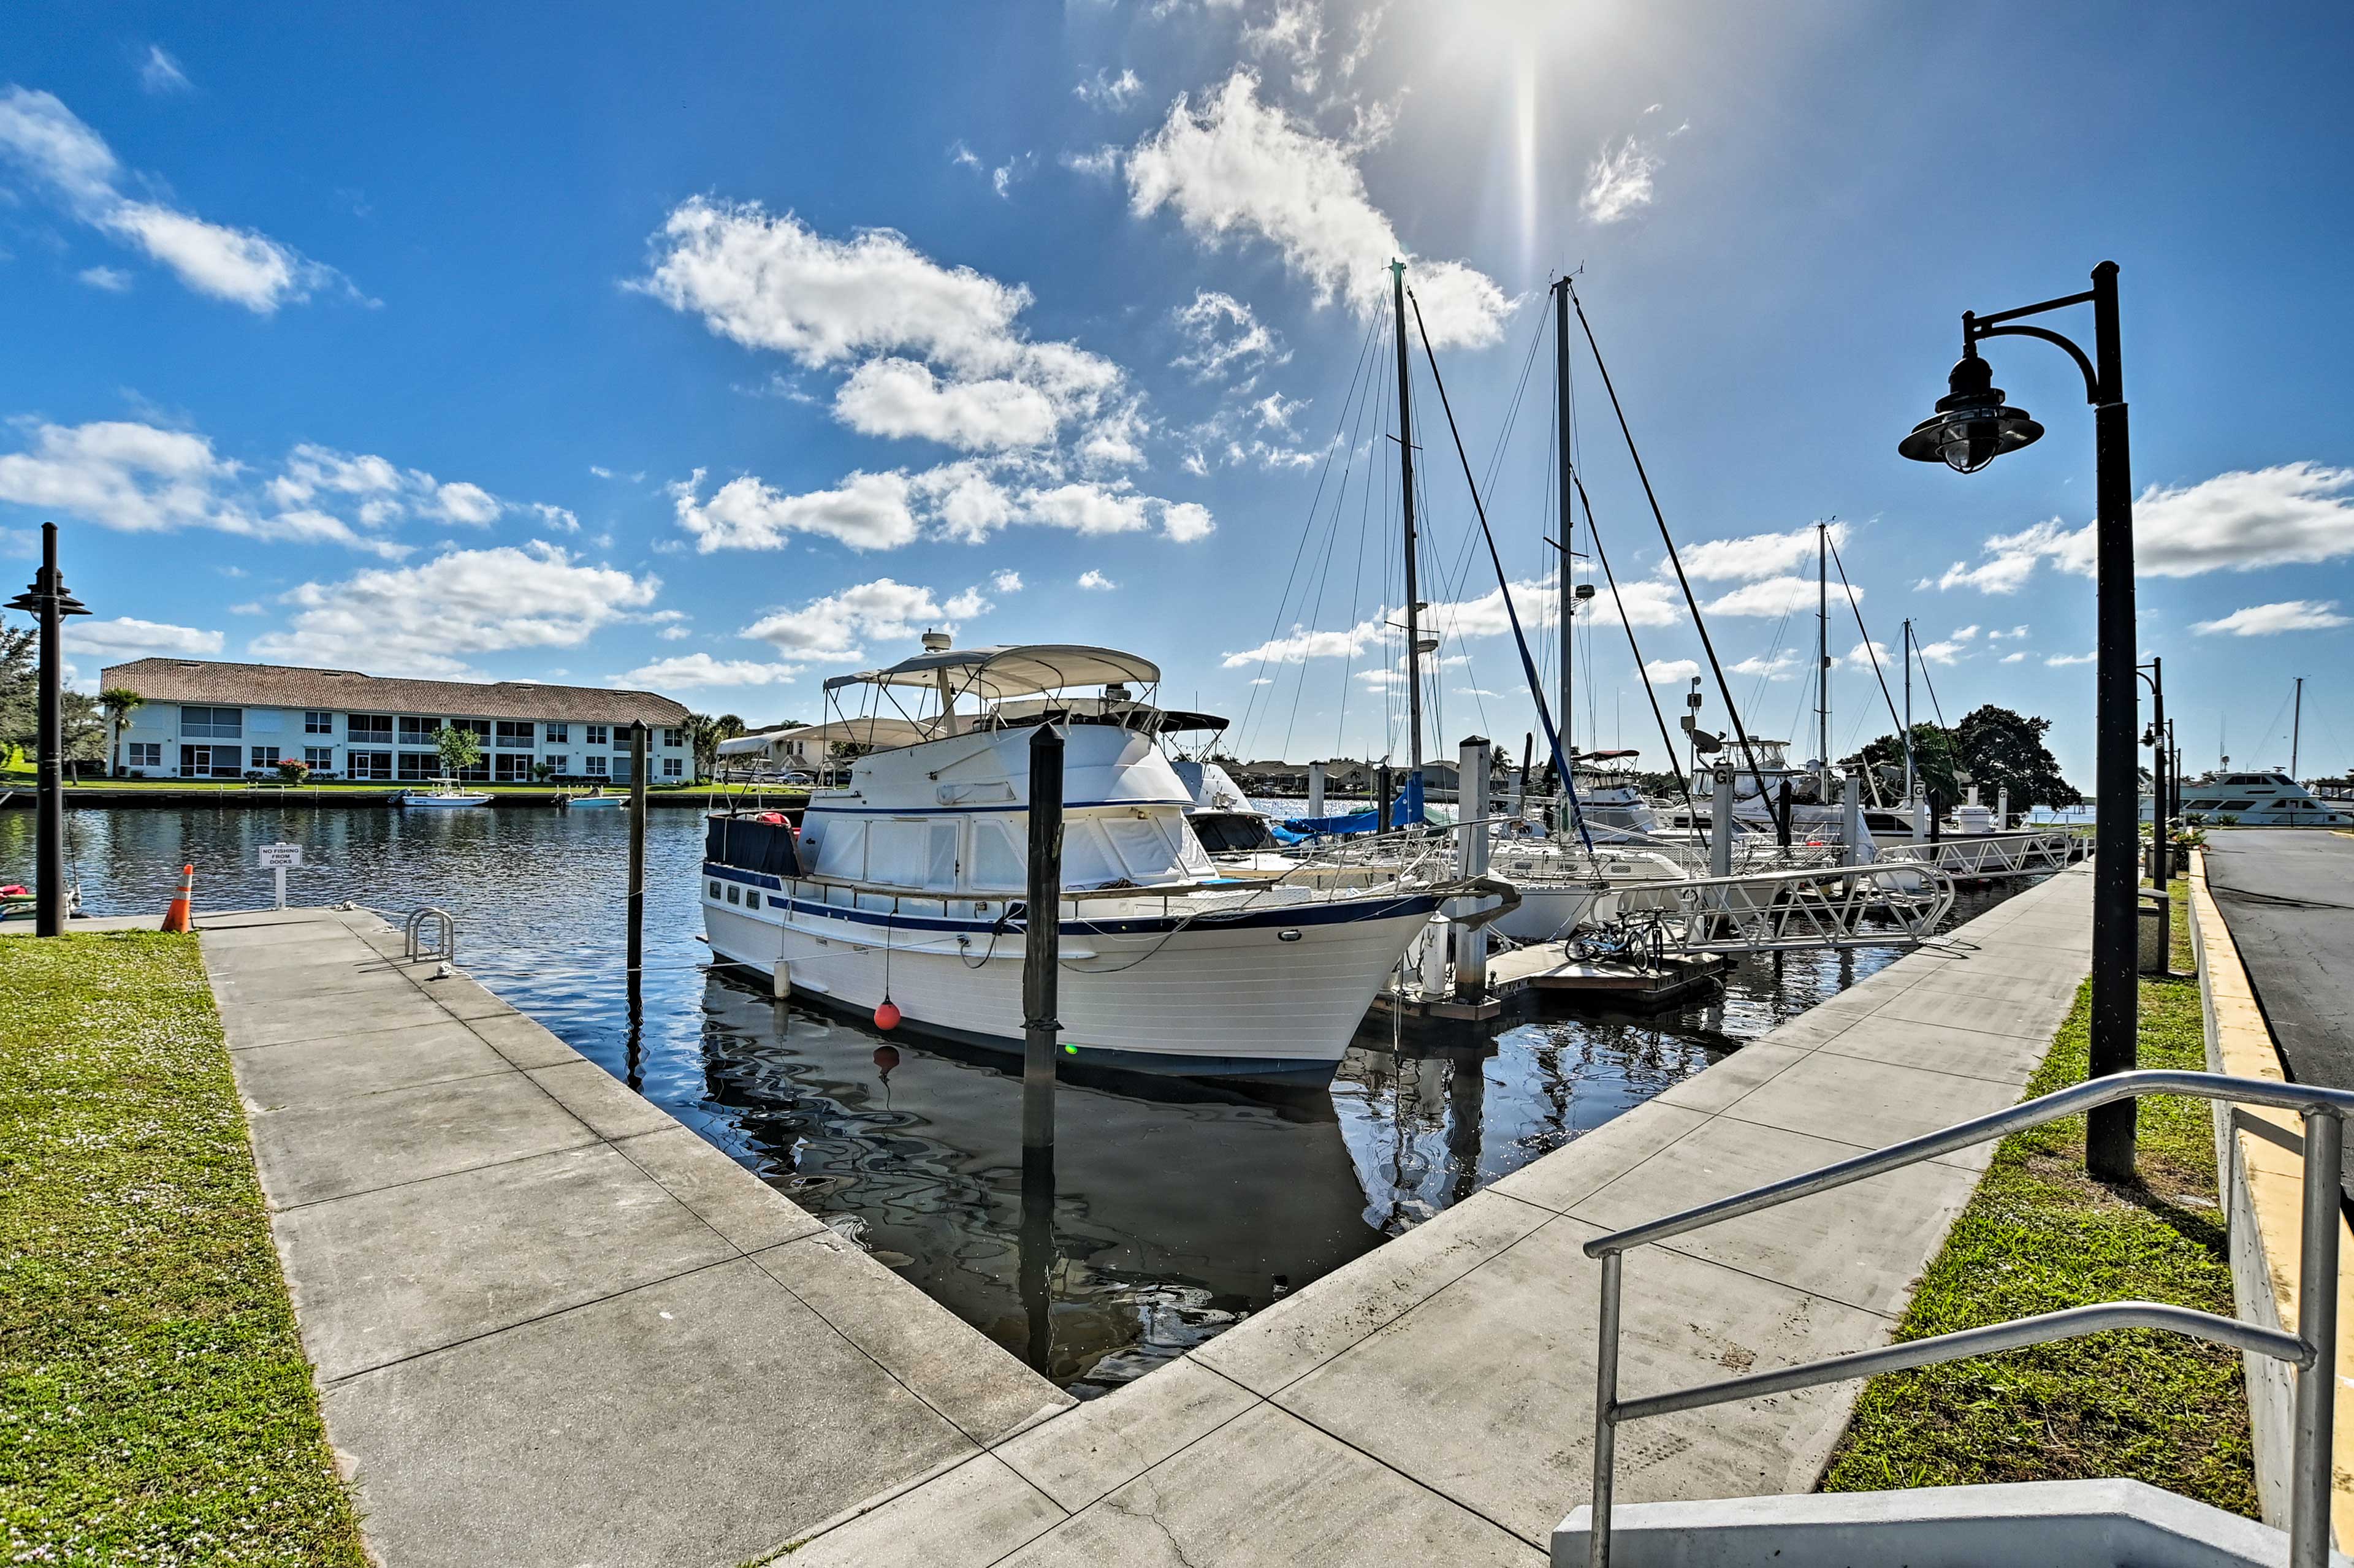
(1163, 721)
(880, 734)
(995, 673)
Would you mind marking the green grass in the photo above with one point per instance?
(154, 1404)
(2041, 1236)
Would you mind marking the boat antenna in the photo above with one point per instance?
(1504, 586)
(1707, 644)
(1405, 484)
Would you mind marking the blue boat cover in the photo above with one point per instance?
(1405, 811)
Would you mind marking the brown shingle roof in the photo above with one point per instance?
(289, 686)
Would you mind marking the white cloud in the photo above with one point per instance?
(113, 280)
(160, 73)
(1646, 604)
(1868, 655)
(2058, 660)
(1086, 508)
(1225, 335)
(902, 397)
(689, 670)
(675, 633)
(1292, 30)
(1998, 634)
(1770, 595)
(1757, 556)
(1104, 90)
(866, 512)
(2265, 619)
(1669, 672)
(832, 628)
(1186, 521)
(1093, 580)
(1780, 667)
(1102, 163)
(1946, 651)
(2296, 513)
(1005, 582)
(2012, 658)
(129, 638)
(45, 141)
(1616, 183)
(459, 501)
(1242, 165)
(419, 621)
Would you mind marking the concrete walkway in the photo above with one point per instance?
(551, 1325)
(1432, 1402)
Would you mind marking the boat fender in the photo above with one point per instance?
(886, 1016)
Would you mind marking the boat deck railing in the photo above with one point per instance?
(2312, 1350)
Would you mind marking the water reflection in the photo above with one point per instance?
(1175, 1209)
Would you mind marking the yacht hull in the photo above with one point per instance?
(1269, 995)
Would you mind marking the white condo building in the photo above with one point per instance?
(206, 719)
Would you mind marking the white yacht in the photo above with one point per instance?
(907, 885)
(2259, 800)
(445, 792)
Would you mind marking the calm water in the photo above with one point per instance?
(1179, 1208)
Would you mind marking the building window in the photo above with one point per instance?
(146, 754)
(560, 734)
(369, 729)
(418, 731)
(593, 766)
(674, 767)
(596, 736)
(211, 761)
(368, 764)
(265, 757)
(221, 723)
(674, 739)
(322, 759)
(509, 769)
(513, 736)
(315, 722)
(557, 762)
(416, 765)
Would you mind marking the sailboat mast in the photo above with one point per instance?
(1406, 473)
(1565, 583)
(1823, 663)
(1909, 779)
(2296, 727)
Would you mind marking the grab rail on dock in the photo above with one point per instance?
(445, 947)
(2312, 1350)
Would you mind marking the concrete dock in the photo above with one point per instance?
(554, 1327)
(551, 1325)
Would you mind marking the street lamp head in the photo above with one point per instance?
(1973, 426)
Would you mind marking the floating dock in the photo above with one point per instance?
(1546, 971)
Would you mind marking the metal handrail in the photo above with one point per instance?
(2313, 1349)
(446, 932)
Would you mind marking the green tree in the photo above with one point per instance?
(2004, 749)
(705, 733)
(1932, 759)
(119, 702)
(84, 730)
(460, 749)
(19, 687)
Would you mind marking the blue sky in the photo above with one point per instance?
(725, 354)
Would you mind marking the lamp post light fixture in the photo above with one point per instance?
(48, 603)
(2160, 856)
(1971, 428)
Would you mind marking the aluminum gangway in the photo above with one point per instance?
(1874, 906)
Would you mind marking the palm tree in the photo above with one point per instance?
(119, 702)
(707, 732)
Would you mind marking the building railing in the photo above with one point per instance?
(2312, 1350)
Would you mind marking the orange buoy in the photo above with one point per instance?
(176, 916)
(886, 1017)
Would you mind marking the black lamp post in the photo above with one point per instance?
(48, 603)
(1972, 427)
(2160, 857)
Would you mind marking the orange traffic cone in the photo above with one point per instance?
(176, 918)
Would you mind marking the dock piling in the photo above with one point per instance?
(636, 851)
(1041, 943)
(1473, 783)
(1315, 788)
(1382, 799)
(1720, 838)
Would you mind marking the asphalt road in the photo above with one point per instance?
(2287, 896)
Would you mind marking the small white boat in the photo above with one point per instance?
(445, 792)
(594, 800)
(907, 885)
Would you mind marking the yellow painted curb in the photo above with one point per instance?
(2261, 1170)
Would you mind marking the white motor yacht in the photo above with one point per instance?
(907, 885)
(2259, 800)
(445, 792)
